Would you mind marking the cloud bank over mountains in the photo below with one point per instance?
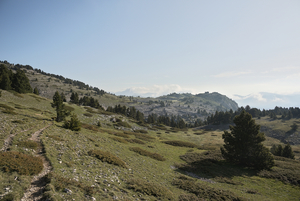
(153, 91)
(264, 100)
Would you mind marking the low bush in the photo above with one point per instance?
(89, 127)
(21, 163)
(121, 135)
(18, 121)
(204, 191)
(192, 157)
(150, 188)
(143, 152)
(35, 109)
(28, 144)
(6, 107)
(118, 139)
(88, 114)
(180, 143)
(69, 108)
(141, 131)
(108, 157)
(144, 137)
(8, 197)
(135, 141)
(55, 137)
(123, 124)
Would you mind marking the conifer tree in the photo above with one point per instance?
(287, 152)
(36, 91)
(74, 124)
(21, 82)
(243, 144)
(5, 80)
(59, 107)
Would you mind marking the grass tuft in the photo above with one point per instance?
(28, 144)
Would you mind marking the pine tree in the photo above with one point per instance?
(21, 82)
(287, 152)
(36, 91)
(243, 144)
(5, 80)
(74, 124)
(63, 97)
(59, 106)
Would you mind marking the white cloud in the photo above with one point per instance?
(232, 74)
(153, 91)
(257, 96)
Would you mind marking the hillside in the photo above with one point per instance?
(113, 162)
(187, 106)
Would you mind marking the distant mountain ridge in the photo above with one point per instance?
(188, 106)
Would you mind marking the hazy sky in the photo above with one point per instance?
(159, 46)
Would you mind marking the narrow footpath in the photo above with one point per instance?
(38, 183)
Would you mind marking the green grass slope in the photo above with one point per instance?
(112, 162)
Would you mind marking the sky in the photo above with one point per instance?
(150, 48)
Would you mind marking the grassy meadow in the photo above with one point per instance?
(113, 162)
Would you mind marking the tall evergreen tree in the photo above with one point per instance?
(21, 82)
(61, 113)
(243, 145)
(287, 152)
(5, 78)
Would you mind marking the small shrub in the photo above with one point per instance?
(89, 127)
(143, 137)
(8, 197)
(6, 107)
(55, 137)
(28, 144)
(180, 143)
(121, 135)
(20, 163)
(74, 124)
(69, 108)
(9, 112)
(119, 140)
(149, 188)
(106, 156)
(141, 131)
(135, 141)
(143, 152)
(18, 121)
(88, 114)
(35, 109)
(123, 124)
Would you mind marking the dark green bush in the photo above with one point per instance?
(106, 156)
(21, 163)
(35, 109)
(74, 124)
(121, 135)
(150, 188)
(28, 144)
(18, 121)
(8, 197)
(143, 152)
(143, 137)
(180, 143)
